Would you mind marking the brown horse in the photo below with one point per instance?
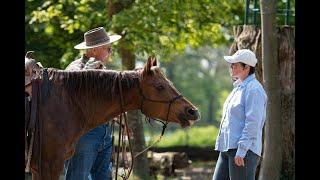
(78, 101)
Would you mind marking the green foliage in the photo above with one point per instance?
(54, 27)
(167, 27)
(152, 27)
(201, 75)
(195, 136)
(281, 16)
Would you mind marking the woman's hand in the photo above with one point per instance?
(239, 161)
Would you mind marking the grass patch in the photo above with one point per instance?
(193, 136)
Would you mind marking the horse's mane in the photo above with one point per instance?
(96, 84)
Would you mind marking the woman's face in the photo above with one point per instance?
(238, 71)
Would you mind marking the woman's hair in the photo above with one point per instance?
(252, 69)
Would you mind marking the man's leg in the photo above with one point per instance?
(102, 167)
(79, 165)
(221, 171)
(239, 172)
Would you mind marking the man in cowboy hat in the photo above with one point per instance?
(93, 150)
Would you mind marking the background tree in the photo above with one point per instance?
(272, 156)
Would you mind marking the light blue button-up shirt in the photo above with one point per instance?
(243, 117)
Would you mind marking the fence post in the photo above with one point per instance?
(287, 12)
(255, 10)
(246, 15)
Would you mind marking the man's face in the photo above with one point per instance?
(103, 52)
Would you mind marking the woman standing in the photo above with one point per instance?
(244, 112)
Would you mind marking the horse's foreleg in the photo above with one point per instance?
(51, 170)
(55, 168)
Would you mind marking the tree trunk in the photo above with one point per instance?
(250, 37)
(272, 156)
(134, 117)
(210, 110)
(141, 164)
(135, 123)
(286, 55)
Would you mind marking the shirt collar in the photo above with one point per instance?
(84, 59)
(245, 82)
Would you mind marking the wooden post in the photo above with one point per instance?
(272, 156)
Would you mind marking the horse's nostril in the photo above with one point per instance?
(191, 112)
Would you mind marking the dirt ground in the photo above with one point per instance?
(197, 171)
(201, 170)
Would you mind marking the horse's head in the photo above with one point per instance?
(162, 100)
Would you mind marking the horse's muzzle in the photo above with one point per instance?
(192, 114)
(189, 117)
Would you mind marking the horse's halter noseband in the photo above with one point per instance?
(144, 98)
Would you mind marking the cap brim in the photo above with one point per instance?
(230, 59)
(83, 45)
(39, 64)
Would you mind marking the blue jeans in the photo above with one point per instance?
(227, 169)
(91, 160)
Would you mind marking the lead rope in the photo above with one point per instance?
(124, 176)
(118, 149)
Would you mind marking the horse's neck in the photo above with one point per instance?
(113, 108)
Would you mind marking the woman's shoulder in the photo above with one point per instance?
(255, 86)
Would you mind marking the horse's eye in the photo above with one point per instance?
(160, 87)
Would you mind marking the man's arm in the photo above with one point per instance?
(75, 65)
(93, 64)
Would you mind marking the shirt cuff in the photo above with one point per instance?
(241, 152)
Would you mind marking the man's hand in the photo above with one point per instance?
(239, 161)
(92, 64)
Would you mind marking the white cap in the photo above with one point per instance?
(243, 55)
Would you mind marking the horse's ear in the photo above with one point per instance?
(154, 62)
(148, 66)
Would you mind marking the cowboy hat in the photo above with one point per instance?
(96, 37)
